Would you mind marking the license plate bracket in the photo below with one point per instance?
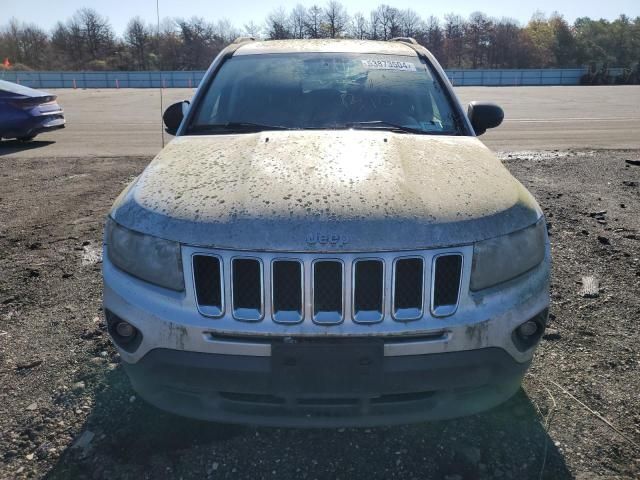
(327, 368)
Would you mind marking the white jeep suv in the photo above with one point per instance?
(326, 242)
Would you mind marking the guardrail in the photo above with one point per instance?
(191, 79)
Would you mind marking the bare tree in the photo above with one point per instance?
(87, 41)
(138, 38)
(454, 39)
(432, 37)
(10, 41)
(168, 45)
(410, 23)
(97, 32)
(374, 25)
(359, 27)
(298, 21)
(199, 43)
(313, 24)
(24, 44)
(336, 19)
(66, 39)
(34, 46)
(278, 25)
(478, 30)
(224, 30)
(251, 29)
(388, 21)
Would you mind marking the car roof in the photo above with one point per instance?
(325, 46)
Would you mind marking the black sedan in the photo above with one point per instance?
(26, 112)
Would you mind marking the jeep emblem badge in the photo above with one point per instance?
(327, 239)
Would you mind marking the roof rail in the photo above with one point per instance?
(244, 40)
(404, 40)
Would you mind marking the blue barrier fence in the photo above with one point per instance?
(171, 79)
(191, 79)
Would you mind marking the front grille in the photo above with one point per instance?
(327, 291)
(328, 283)
(207, 275)
(447, 272)
(368, 291)
(286, 291)
(408, 288)
(247, 291)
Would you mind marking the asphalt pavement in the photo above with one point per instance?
(127, 122)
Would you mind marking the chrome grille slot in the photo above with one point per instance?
(408, 288)
(247, 290)
(445, 293)
(286, 291)
(328, 291)
(207, 276)
(368, 290)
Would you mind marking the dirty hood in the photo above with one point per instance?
(326, 190)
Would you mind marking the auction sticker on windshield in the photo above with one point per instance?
(388, 65)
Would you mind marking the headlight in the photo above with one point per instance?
(502, 258)
(148, 258)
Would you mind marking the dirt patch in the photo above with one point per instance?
(67, 411)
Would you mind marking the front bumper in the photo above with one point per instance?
(221, 369)
(239, 389)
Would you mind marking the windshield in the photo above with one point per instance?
(325, 90)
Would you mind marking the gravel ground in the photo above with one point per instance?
(67, 411)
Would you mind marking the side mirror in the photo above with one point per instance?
(484, 116)
(173, 115)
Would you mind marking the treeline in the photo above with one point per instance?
(87, 41)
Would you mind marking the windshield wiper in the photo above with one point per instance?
(234, 127)
(382, 125)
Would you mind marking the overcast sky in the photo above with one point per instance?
(47, 12)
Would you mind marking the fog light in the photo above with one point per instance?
(528, 328)
(123, 334)
(125, 330)
(528, 334)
